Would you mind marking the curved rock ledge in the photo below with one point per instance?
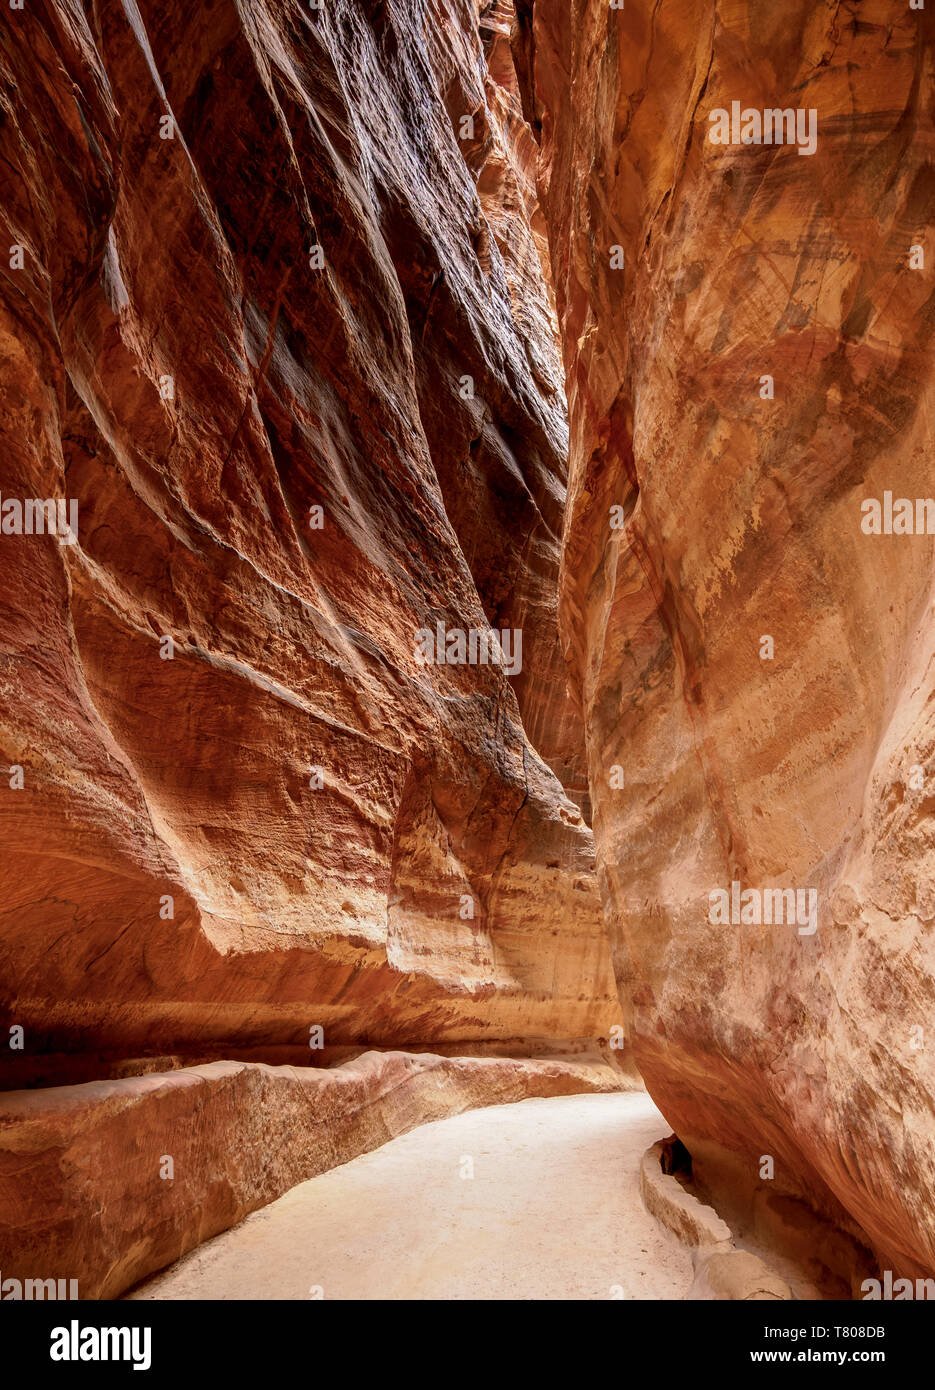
(721, 1271)
(81, 1191)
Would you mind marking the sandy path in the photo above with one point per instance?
(553, 1211)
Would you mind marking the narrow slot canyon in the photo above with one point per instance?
(468, 723)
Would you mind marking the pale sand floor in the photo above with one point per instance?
(553, 1211)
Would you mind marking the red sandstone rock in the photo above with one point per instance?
(107, 1209)
(743, 519)
(175, 362)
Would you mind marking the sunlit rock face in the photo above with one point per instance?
(263, 272)
(740, 518)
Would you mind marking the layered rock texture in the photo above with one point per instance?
(807, 762)
(274, 315)
(278, 316)
(108, 1205)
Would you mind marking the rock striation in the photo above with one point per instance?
(280, 317)
(747, 333)
(274, 317)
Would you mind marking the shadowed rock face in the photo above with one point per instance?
(177, 360)
(743, 520)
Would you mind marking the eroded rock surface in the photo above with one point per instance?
(181, 360)
(813, 769)
(123, 1177)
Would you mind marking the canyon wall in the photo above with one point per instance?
(710, 510)
(274, 317)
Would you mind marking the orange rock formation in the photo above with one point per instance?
(749, 366)
(281, 330)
